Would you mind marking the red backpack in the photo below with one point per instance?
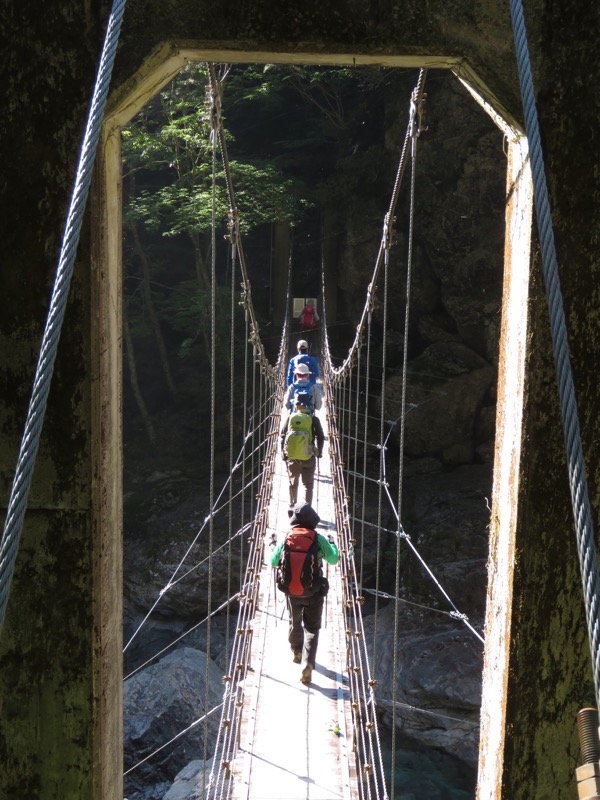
(307, 317)
(299, 573)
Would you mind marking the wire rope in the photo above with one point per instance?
(181, 733)
(232, 354)
(354, 477)
(215, 115)
(17, 503)
(382, 443)
(338, 379)
(388, 221)
(365, 438)
(256, 460)
(576, 466)
(171, 581)
(414, 133)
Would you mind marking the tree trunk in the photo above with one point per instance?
(204, 285)
(149, 302)
(135, 386)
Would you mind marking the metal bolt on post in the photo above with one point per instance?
(588, 774)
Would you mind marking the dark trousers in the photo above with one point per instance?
(305, 622)
(305, 470)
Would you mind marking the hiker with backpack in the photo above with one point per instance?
(302, 357)
(302, 440)
(308, 317)
(302, 385)
(299, 559)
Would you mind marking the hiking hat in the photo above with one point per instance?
(302, 369)
(304, 516)
(302, 399)
(302, 344)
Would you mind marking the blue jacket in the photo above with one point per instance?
(302, 358)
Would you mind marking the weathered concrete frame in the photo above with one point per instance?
(164, 64)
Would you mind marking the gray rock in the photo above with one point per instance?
(438, 681)
(189, 783)
(446, 388)
(164, 705)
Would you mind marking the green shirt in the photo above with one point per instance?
(327, 549)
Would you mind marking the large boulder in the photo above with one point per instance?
(160, 702)
(190, 783)
(438, 665)
(447, 388)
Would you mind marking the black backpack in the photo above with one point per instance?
(299, 573)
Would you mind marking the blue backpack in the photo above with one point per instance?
(307, 390)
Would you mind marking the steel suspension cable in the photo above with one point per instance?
(371, 782)
(213, 382)
(366, 435)
(228, 736)
(232, 309)
(231, 431)
(388, 223)
(415, 134)
(355, 476)
(260, 356)
(576, 466)
(263, 425)
(21, 485)
(382, 442)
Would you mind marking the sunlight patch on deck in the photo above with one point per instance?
(295, 740)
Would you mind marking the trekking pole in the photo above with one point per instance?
(329, 539)
(318, 479)
(274, 595)
(327, 595)
(273, 542)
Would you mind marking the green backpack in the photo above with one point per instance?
(298, 439)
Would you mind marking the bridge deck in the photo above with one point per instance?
(295, 741)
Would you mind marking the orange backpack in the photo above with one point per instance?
(299, 573)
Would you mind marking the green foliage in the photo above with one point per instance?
(190, 314)
(168, 157)
(296, 137)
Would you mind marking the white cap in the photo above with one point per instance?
(302, 369)
(302, 343)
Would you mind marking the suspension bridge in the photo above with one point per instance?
(292, 740)
(334, 750)
(277, 737)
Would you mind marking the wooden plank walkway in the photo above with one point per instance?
(295, 741)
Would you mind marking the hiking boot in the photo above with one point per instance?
(306, 674)
(297, 656)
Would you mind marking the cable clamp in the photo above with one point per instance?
(417, 114)
(370, 297)
(458, 615)
(245, 295)
(389, 231)
(232, 227)
(214, 94)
